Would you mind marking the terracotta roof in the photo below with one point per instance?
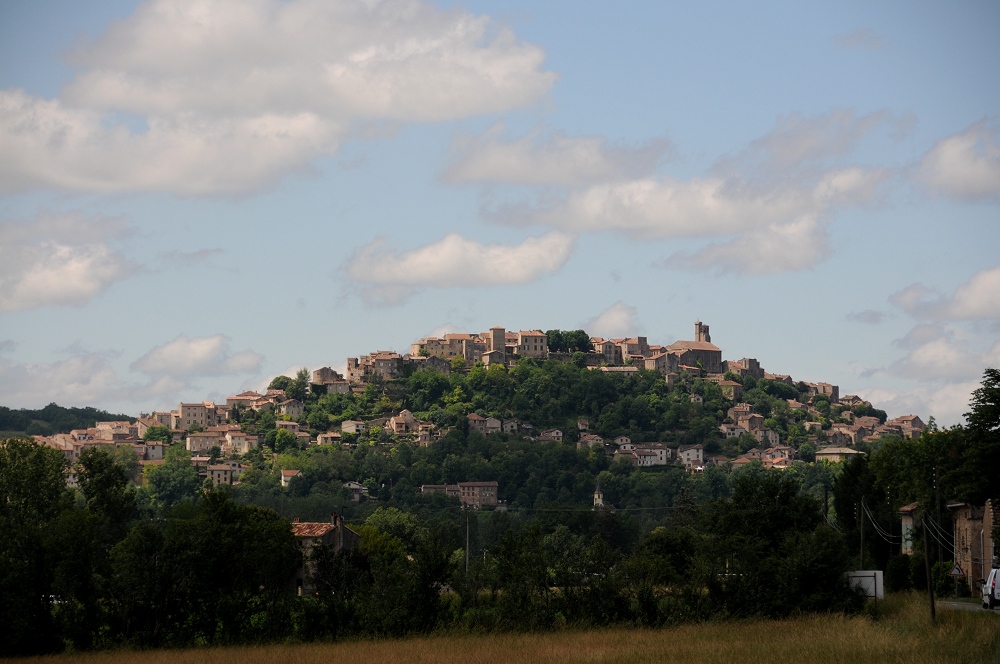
(311, 529)
(290, 473)
(693, 345)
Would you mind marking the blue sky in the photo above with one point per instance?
(197, 196)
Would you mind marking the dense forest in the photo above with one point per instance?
(51, 419)
(160, 558)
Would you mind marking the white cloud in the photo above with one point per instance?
(618, 320)
(976, 299)
(549, 159)
(82, 379)
(943, 353)
(964, 166)
(776, 194)
(187, 357)
(862, 38)
(58, 259)
(666, 207)
(455, 261)
(947, 403)
(49, 144)
(777, 248)
(230, 95)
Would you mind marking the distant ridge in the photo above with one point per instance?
(52, 419)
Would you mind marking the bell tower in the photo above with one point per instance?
(701, 332)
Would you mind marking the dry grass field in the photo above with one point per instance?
(901, 633)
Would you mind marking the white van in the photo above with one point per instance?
(991, 589)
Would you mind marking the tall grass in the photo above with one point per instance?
(897, 631)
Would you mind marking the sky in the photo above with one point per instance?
(196, 196)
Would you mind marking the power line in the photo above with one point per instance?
(887, 536)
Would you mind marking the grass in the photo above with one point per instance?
(900, 631)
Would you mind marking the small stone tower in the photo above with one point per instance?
(598, 496)
(701, 332)
(498, 339)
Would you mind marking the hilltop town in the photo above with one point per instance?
(811, 421)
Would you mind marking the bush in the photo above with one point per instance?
(897, 574)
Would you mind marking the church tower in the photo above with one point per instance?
(701, 332)
(598, 496)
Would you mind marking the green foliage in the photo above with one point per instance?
(284, 440)
(158, 433)
(173, 482)
(279, 383)
(32, 496)
(298, 388)
(53, 419)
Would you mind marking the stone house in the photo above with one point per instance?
(335, 535)
(551, 434)
(691, 455)
(403, 423)
(478, 494)
(287, 475)
(974, 546)
(731, 389)
(291, 407)
(835, 454)
(767, 437)
(532, 343)
(353, 426)
(589, 440)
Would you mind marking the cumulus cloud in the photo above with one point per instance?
(964, 166)
(666, 207)
(59, 259)
(947, 402)
(188, 357)
(82, 379)
(777, 248)
(783, 188)
(49, 144)
(618, 320)
(862, 38)
(226, 96)
(940, 352)
(390, 277)
(549, 159)
(976, 299)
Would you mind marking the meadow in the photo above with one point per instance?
(898, 630)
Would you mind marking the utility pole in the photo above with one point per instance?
(927, 569)
(937, 501)
(466, 540)
(862, 533)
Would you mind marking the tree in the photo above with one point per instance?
(106, 487)
(298, 388)
(32, 496)
(159, 433)
(175, 480)
(279, 383)
(285, 440)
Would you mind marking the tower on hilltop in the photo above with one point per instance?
(701, 332)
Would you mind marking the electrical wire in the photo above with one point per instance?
(887, 536)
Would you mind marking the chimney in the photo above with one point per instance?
(295, 520)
